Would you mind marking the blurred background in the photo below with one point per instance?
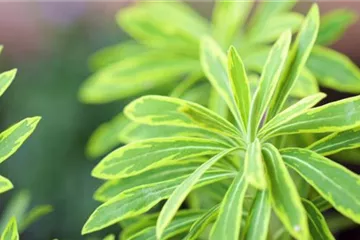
(49, 43)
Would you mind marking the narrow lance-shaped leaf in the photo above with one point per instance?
(33, 215)
(227, 224)
(332, 117)
(12, 138)
(138, 157)
(290, 113)
(299, 53)
(337, 142)
(317, 223)
(11, 231)
(178, 196)
(335, 183)
(139, 200)
(6, 79)
(254, 168)
(284, 196)
(214, 64)
(268, 82)
(159, 110)
(259, 218)
(5, 184)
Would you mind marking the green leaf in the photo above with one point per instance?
(305, 85)
(214, 64)
(109, 237)
(268, 82)
(158, 110)
(135, 75)
(186, 84)
(283, 194)
(10, 232)
(334, 24)
(199, 226)
(12, 138)
(334, 70)
(295, 63)
(228, 18)
(317, 224)
(140, 222)
(180, 193)
(5, 184)
(141, 156)
(141, 199)
(227, 224)
(290, 113)
(259, 218)
(332, 117)
(181, 223)
(335, 183)
(321, 204)
(254, 168)
(34, 215)
(337, 142)
(6, 79)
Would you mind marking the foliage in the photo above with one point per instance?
(178, 149)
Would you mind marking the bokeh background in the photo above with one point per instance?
(49, 43)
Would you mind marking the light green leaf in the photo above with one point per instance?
(180, 193)
(254, 168)
(334, 70)
(214, 64)
(141, 156)
(335, 183)
(141, 199)
(332, 117)
(259, 218)
(317, 224)
(228, 18)
(135, 75)
(290, 113)
(186, 84)
(140, 222)
(321, 204)
(268, 82)
(217, 104)
(227, 224)
(334, 24)
(305, 85)
(337, 142)
(199, 226)
(295, 63)
(109, 237)
(34, 215)
(12, 138)
(10, 232)
(6, 79)
(158, 110)
(283, 194)
(181, 223)
(5, 184)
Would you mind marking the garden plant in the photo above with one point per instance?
(241, 147)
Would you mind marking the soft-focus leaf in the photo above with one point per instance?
(332, 117)
(5, 184)
(34, 215)
(228, 18)
(337, 142)
(180, 193)
(254, 168)
(283, 194)
(143, 221)
(10, 232)
(334, 24)
(141, 199)
(290, 113)
(335, 183)
(305, 85)
(268, 82)
(317, 224)
(141, 156)
(227, 224)
(181, 223)
(6, 79)
(109, 237)
(295, 63)
(186, 84)
(158, 110)
(214, 65)
(259, 218)
(13, 137)
(321, 204)
(135, 75)
(334, 70)
(199, 226)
